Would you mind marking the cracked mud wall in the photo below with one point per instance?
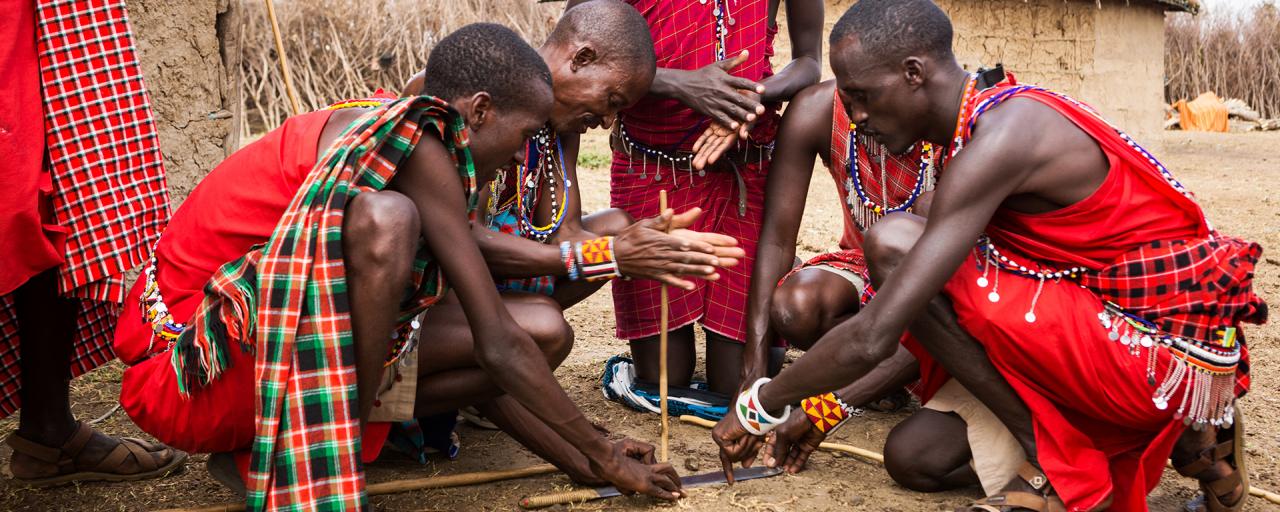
(1110, 55)
(182, 60)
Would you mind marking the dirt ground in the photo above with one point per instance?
(1232, 173)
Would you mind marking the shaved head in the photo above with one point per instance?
(894, 29)
(616, 30)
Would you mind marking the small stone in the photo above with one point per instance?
(692, 465)
(856, 501)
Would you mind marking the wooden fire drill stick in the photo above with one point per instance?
(662, 345)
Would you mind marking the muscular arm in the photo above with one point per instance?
(805, 131)
(504, 350)
(804, 27)
(994, 165)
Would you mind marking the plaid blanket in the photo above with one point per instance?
(103, 148)
(286, 302)
(109, 190)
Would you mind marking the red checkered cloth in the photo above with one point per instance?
(108, 192)
(684, 37)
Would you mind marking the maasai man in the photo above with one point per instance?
(351, 219)
(714, 74)
(830, 288)
(84, 198)
(601, 60)
(1097, 315)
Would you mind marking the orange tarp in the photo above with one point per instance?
(1206, 113)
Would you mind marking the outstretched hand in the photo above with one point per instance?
(645, 250)
(714, 142)
(736, 444)
(730, 101)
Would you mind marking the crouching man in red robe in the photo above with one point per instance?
(1065, 278)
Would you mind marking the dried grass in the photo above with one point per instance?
(1235, 56)
(341, 49)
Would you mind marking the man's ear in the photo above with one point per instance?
(477, 109)
(913, 71)
(585, 56)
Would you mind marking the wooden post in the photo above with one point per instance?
(663, 320)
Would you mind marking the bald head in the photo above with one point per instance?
(617, 32)
(894, 29)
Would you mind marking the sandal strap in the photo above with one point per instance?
(1226, 485)
(1015, 500)
(1034, 477)
(1208, 457)
(33, 449)
(127, 447)
(72, 448)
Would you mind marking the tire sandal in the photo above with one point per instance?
(1042, 500)
(70, 469)
(1230, 448)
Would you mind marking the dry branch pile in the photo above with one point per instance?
(1233, 56)
(340, 49)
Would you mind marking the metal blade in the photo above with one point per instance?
(712, 477)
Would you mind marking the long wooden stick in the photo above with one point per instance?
(868, 454)
(415, 484)
(663, 321)
(294, 104)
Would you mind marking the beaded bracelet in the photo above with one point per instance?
(752, 415)
(596, 259)
(826, 411)
(570, 262)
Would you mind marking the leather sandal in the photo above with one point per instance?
(1042, 500)
(1230, 448)
(71, 469)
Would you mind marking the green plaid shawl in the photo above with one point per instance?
(286, 301)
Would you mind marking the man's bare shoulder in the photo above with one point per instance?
(807, 119)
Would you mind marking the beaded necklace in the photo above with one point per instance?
(721, 13)
(866, 211)
(530, 175)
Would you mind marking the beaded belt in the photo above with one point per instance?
(733, 160)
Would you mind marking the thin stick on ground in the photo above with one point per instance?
(876, 456)
(415, 484)
(663, 322)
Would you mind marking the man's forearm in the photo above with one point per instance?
(890, 375)
(666, 83)
(799, 73)
(514, 257)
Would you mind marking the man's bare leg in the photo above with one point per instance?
(681, 357)
(810, 303)
(448, 375)
(929, 452)
(47, 330)
(724, 363)
(379, 240)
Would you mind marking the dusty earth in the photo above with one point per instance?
(1233, 173)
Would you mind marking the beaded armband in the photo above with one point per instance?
(752, 415)
(569, 259)
(596, 259)
(826, 411)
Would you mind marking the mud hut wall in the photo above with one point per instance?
(1109, 56)
(180, 51)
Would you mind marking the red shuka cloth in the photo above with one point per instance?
(234, 208)
(685, 38)
(1097, 431)
(93, 210)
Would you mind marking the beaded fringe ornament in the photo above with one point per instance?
(1202, 372)
(864, 209)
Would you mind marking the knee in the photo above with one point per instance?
(608, 222)
(552, 333)
(795, 314)
(908, 462)
(889, 239)
(381, 227)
